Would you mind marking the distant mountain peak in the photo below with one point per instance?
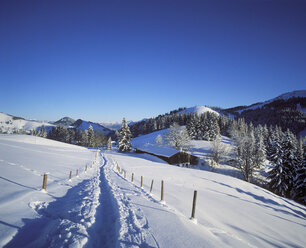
(198, 109)
(65, 121)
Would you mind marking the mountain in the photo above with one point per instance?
(198, 110)
(13, 124)
(287, 111)
(65, 121)
(84, 125)
(111, 125)
(299, 94)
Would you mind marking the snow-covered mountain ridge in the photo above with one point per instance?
(285, 97)
(10, 124)
(198, 110)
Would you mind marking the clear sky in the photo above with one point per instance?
(104, 60)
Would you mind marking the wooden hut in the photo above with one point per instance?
(181, 158)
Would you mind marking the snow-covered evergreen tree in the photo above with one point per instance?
(42, 132)
(260, 148)
(244, 151)
(192, 126)
(284, 162)
(125, 136)
(109, 143)
(91, 137)
(299, 185)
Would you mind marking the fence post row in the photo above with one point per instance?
(45, 181)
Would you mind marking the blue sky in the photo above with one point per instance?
(104, 60)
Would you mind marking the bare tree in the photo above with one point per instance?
(219, 150)
(178, 137)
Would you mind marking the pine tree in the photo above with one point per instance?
(124, 137)
(260, 149)
(284, 163)
(243, 136)
(191, 127)
(299, 187)
(43, 132)
(109, 143)
(91, 136)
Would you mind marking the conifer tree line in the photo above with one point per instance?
(87, 138)
(253, 145)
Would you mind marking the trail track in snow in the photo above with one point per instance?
(118, 223)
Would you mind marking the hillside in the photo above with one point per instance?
(101, 208)
(286, 111)
(65, 121)
(84, 125)
(284, 97)
(12, 124)
(198, 110)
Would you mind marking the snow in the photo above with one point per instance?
(200, 148)
(8, 124)
(23, 161)
(147, 143)
(286, 96)
(198, 110)
(101, 208)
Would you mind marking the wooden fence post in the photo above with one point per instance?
(141, 182)
(162, 191)
(86, 168)
(132, 177)
(124, 174)
(45, 181)
(151, 186)
(194, 203)
(70, 175)
(77, 172)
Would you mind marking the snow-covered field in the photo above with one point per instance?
(101, 208)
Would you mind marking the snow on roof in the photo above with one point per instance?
(147, 143)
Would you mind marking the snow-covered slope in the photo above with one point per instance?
(23, 161)
(103, 208)
(198, 110)
(10, 124)
(229, 211)
(285, 96)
